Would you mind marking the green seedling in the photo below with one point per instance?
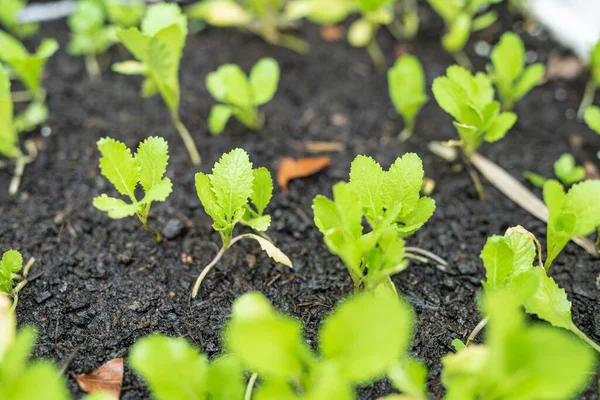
(241, 95)
(409, 376)
(406, 82)
(518, 360)
(565, 169)
(462, 17)
(90, 35)
(264, 18)
(592, 118)
(158, 48)
(9, 18)
(271, 345)
(362, 32)
(594, 82)
(405, 25)
(125, 13)
(508, 72)
(125, 171)
(470, 101)
(10, 264)
(233, 193)
(390, 203)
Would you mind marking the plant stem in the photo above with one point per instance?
(586, 339)
(92, 67)
(427, 254)
(588, 99)
(155, 232)
(250, 387)
(187, 139)
(376, 54)
(407, 131)
(463, 60)
(477, 329)
(21, 285)
(15, 182)
(294, 43)
(21, 96)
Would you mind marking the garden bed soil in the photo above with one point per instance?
(99, 284)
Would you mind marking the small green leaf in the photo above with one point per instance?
(163, 15)
(550, 302)
(11, 263)
(225, 380)
(412, 222)
(366, 180)
(9, 139)
(410, 377)
(208, 199)
(231, 181)
(403, 182)
(484, 21)
(260, 224)
(535, 179)
(264, 78)
(219, 115)
(498, 260)
(118, 166)
(262, 189)
(500, 126)
(592, 118)
(458, 34)
(406, 82)
(567, 171)
(530, 78)
(152, 158)
(116, 208)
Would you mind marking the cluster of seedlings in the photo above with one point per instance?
(368, 335)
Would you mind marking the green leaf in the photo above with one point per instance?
(410, 376)
(264, 78)
(33, 116)
(171, 366)
(595, 64)
(271, 250)
(125, 14)
(231, 181)
(403, 182)
(116, 208)
(260, 224)
(500, 126)
(163, 15)
(9, 140)
(9, 17)
(458, 33)
(230, 85)
(118, 166)
(450, 96)
(550, 302)
(219, 115)
(152, 158)
(89, 32)
(484, 21)
(412, 222)
(324, 12)
(498, 261)
(225, 380)
(158, 192)
(366, 181)
(406, 81)
(592, 118)
(508, 59)
(209, 200)
(262, 189)
(11, 263)
(365, 347)
(535, 179)
(530, 78)
(567, 171)
(136, 42)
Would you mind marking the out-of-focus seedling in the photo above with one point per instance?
(592, 118)
(593, 83)
(565, 169)
(233, 193)
(508, 72)
(125, 13)
(406, 82)
(241, 95)
(462, 17)
(9, 18)
(125, 171)
(261, 17)
(158, 48)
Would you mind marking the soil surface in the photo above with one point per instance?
(99, 284)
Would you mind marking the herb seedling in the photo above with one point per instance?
(264, 18)
(405, 25)
(565, 169)
(406, 82)
(10, 264)
(233, 193)
(9, 17)
(508, 72)
(90, 36)
(362, 33)
(241, 95)
(125, 171)
(158, 48)
(461, 18)
(125, 14)
(594, 82)
(592, 118)
(390, 203)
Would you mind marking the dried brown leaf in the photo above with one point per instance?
(332, 33)
(108, 378)
(567, 67)
(290, 168)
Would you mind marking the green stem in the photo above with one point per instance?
(250, 387)
(463, 60)
(92, 67)
(21, 96)
(588, 99)
(155, 232)
(294, 43)
(187, 139)
(407, 131)
(476, 331)
(586, 339)
(15, 182)
(376, 54)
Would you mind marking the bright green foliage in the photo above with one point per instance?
(461, 18)
(593, 83)
(565, 169)
(125, 171)
(409, 376)
(406, 82)
(576, 213)
(11, 263)
(9, 138)
(28, 67)
(595, 65)
(470, 101)
(125, 13)
(241, 95)
(592, 118)
(519, 360)
(508, 71)
(351, 353)
(393, 208)
(9, 12)
(89, 33)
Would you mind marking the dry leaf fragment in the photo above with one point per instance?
(332, 33)
(567, 67)
(108, 378)
(290, 168)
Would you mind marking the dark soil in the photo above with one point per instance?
(100, 284)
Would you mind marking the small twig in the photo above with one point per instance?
(250, 387)
(427, 254)
(476, 331)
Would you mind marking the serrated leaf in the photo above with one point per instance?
(158, 192)
(219, 115)
(264, 78)
(262, 189)
(208, 199)
(366, 181)
(152, 158)
(412, 222)
(550, 302)
(450, 96)
(402, 183)
(271, 250)
(231, 182)
(116, 208)
(118, 166)
(260, 224)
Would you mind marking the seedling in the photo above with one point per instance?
(90, 35)
(462, 17)
(158, 48)
(406, 82)
(565, 169)
(362, 33)
(406, 22)
(233, 193)
(125, 13)
(242, 95)
(9, 17)
(508, 72)
(10, 264)
(594, 82)
(125, 171)
(264, 18)
(592, 118)
(390, 203)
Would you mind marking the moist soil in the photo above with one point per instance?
(99, 284)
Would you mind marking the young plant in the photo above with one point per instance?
(362, 32)
(9, 18)
(594, 82)
(233, 193)
(508, 72)
(242, 95)
(408, 376)
(125, 14)
(351, 353)
(592, 118)
(393, 209)
(125, 171)
(90, 36)
(264, 18)
(461, 18)
(519, 360)
(158, 48)
(565, 169)
(406, 82)
(470, 101)
(10, 264)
